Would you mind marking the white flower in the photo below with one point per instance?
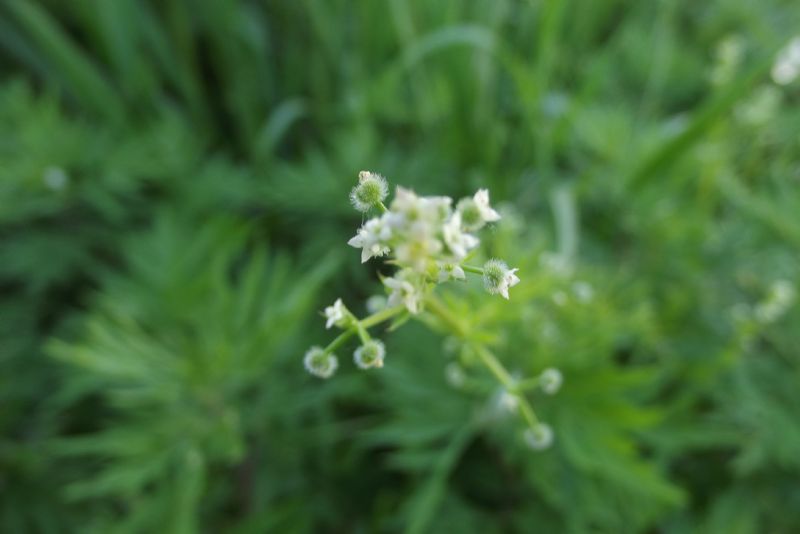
(371, 238)
(404, 292)
(498, 278)
(476, 212)
(551, 380)
(407, 208)
(450, 271)
(336, 314)
(320, 363)
(435, 209)
(787, 66)
(370, 191)
(370, 354)
(481, 199)
(418, 247)
(539, 437)
(458, 242)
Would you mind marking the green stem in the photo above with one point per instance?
(366, 322)
(527, 385)
(381, 316)
(497, 369)
(362, 332)
(494, 365)
(382, 207)
(339, 340)
(486, 357)
(472, 269)
(441, 311)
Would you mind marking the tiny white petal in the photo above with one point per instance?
(481, 199)
(357, 241)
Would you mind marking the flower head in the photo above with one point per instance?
(336, 315)
(419, 246)
(450, 271)
(405, 290)
(498, 278)
(370, 354)
(408, 208)
(320, 363)
(551, 380)
(539, 437)
(370, 192)
(371, 238)
(458, 243)
(476, 212)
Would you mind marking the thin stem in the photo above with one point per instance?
(441, 311)
(382, 207)
(508, 382)
(494, 365)
(528, 384)
(366, 322)
(472, 269)
(339, 340)
(362, 332)
(486, 357)
(381, 316)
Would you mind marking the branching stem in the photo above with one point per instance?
(361, 326)
(486, 356)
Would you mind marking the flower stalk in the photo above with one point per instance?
(427, 239)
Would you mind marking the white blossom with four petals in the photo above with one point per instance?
(404, 292)
(456, 240)
(336, 314)
(371, 238)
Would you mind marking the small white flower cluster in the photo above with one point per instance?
(427, 237)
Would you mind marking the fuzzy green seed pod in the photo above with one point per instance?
(551, 380)
(371, 191)
(320, 363)
(539, 437)
(370, 354)
(498, 278)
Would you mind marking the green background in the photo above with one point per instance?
(173, 218)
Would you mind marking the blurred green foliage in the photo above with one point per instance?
(173, 213)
